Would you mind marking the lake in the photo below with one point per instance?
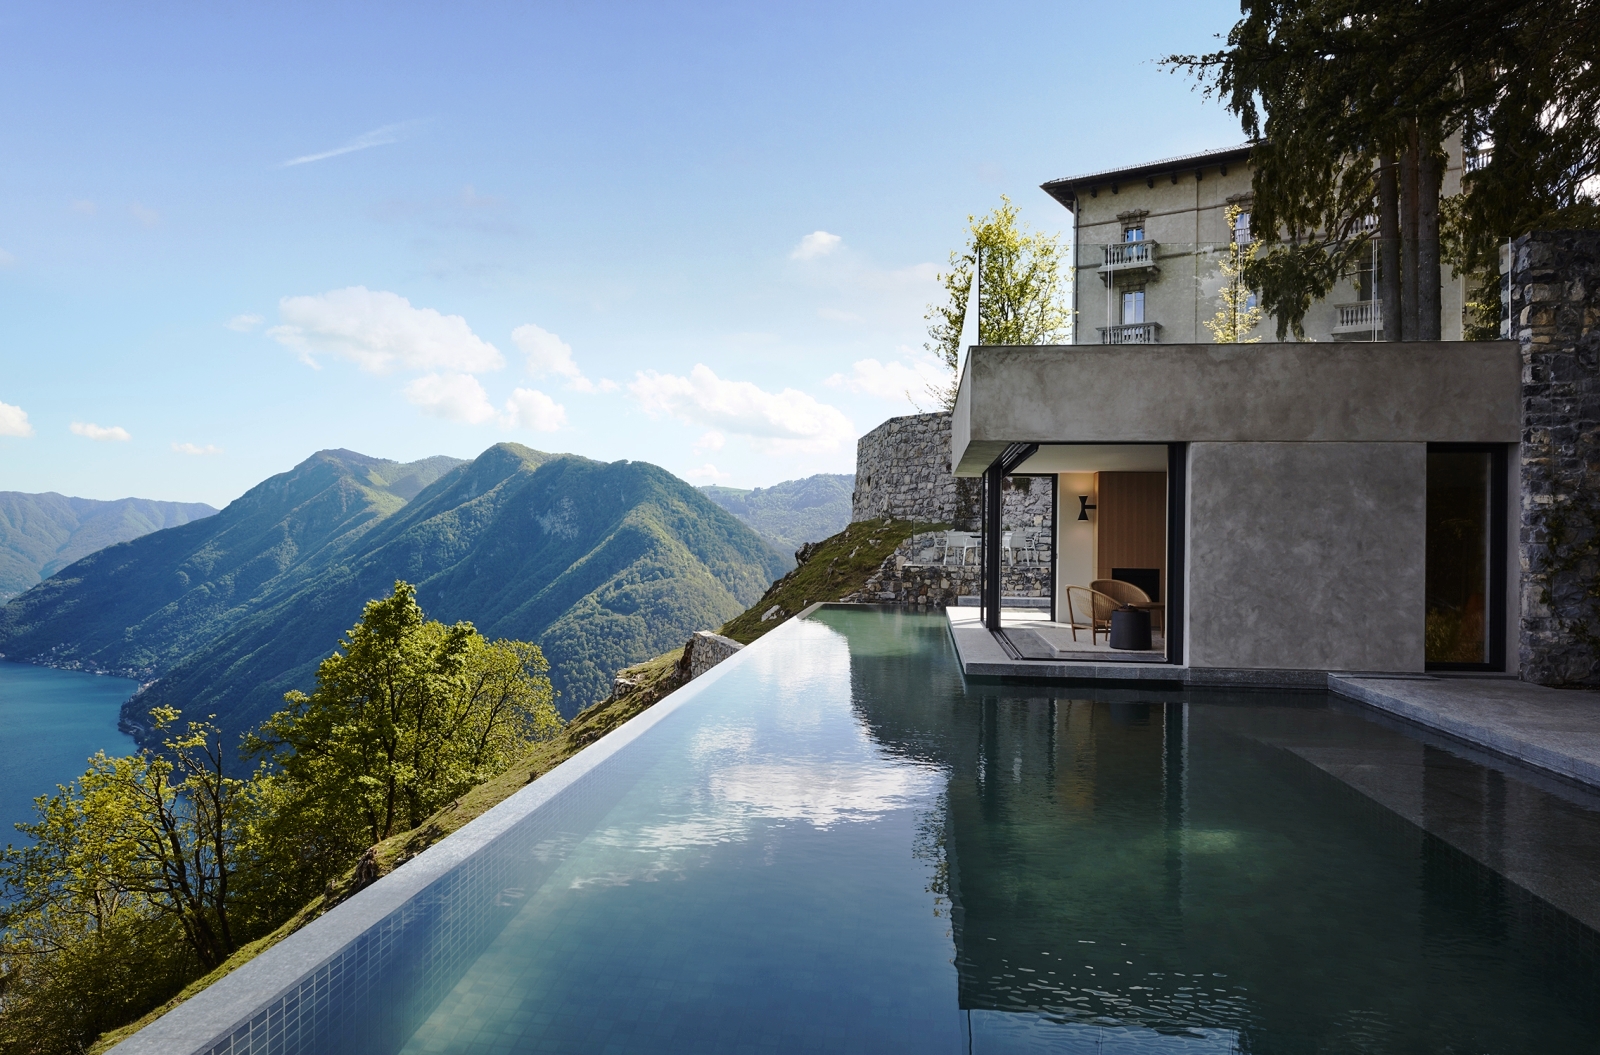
(51, 721)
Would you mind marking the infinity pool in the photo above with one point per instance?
(839, 846)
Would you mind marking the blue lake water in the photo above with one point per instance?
(51, 721)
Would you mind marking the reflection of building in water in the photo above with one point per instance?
(1246, 870)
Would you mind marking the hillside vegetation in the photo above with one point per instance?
(601, 564)
(792, 513)
(41, 534)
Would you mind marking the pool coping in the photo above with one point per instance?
(232, 1001)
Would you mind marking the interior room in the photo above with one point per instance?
(1111, 553)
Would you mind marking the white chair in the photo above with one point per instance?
(1005, 546)
(1027, 545)
(958, 542)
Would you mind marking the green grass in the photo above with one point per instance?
(838, 566)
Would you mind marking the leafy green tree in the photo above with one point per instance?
(410, 714)
(1236, 314)
(126, 889)
(1021, 292)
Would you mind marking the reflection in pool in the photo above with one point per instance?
(838, 845)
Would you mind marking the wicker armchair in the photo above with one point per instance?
(1124, 592)
(1128, 593)
(1089, 609)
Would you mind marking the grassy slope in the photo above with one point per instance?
(838, 566)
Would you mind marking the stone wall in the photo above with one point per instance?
(903, 473)
(1551, 303)
(914, 576)
(703, 651)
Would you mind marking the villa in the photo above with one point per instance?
(1149, 239)
(1275, 507)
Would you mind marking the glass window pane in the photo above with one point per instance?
(1458, 556)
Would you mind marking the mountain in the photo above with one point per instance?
(602, 564)
(41, 534)
(792, 513)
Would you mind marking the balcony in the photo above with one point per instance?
(1361, 321)
(1129, 258)
(1131, 333)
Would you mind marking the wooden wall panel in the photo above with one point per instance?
(1131, 523)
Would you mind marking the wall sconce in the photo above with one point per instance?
(1084, 507)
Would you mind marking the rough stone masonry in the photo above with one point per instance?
(1551, 307)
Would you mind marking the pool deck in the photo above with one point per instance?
(1555, 730)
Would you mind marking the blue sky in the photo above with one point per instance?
(698, 235)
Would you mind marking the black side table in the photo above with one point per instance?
(1130, 629)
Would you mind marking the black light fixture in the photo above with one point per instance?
(1084, 507)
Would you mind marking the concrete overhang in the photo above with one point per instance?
(1425, 392)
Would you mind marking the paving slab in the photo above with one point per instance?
(1557, 730)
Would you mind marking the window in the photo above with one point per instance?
(1251, 302)
(1241, 227)
(1133, 307)
(1133, 232)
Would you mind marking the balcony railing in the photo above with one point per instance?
(1131, 333)
(1363, 318)
(1129, 258)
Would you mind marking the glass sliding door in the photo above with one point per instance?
(1466, 558)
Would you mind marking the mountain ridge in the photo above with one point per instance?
(604, 564)
(41, 533)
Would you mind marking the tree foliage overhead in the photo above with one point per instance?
(1352, 103)
(1022, 279)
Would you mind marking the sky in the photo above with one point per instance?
(700, 235)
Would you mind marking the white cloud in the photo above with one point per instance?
(711, 441)
(380, 332)
(376, 138)
(706, 473)
(243, 323)
(815, 244)
(893, 380)
(789, 420)
(454, 397)
(190, 448)
(14, 421)
(101, 432)
(548, 354)
(528, 408)
(146, 216)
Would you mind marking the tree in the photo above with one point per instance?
(1021, 299)
(1236, 314)
(410, 714)
(127, 887)
(1351, 104)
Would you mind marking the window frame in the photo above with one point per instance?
(1497, 557)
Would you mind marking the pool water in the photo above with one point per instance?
(840, 845)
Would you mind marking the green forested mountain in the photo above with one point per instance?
(41, 534)
(792, 513)
(602, 564)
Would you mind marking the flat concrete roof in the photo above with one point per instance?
(1356, 392)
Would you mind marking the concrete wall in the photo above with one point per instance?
(1463, 392)
(1306, 555)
